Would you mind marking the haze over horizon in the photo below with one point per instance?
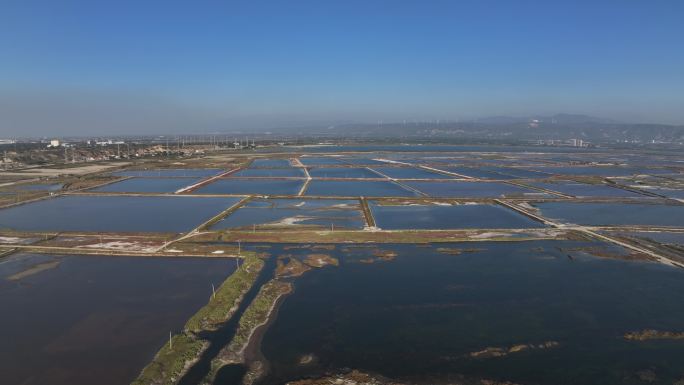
(103, 68)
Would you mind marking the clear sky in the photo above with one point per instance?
(135, 66)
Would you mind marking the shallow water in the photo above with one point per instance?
(471, 189)
(271, 172)
(517, 172)
(252, 186)
(301, 212)
(114, 213)
(662, 237)
(320, 160)
(188, 172)
(409, 173)
(96, 320)
(591, 170)
(148, 185)
(611, 214)
(449, 217)
(477, 172)
(46, 187)
(420, 316)
(357, 188)
(270, 163)
(586, 190)
(342, 172)
(667, 192)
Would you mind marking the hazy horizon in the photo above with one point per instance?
(81, 68)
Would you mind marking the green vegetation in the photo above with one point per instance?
(227, 297)
(256, 314)
(393, 236)
(170, 362)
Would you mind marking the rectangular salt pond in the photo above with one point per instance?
(431, 313)
(361, 161)
(114, 213)
(476, 172)
(343, 172)
(668, 238)
(278, 213)
(471, 189)
(613, 214)
(148, 185)
(666, 192)
(252, 186)
(39, 187)
(593, 170)
(271, 172)
(84, 320)
(357, 188)
(188, 172)
(270, 163)
(585, 190)
(410, 173)
(319, 160)
(517, 172)
(449, 217)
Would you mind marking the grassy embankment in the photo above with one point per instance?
(256, 315)
(171, 361)
(394, 236)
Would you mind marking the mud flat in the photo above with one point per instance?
(35, 269)
(650, 334)
(393, 236)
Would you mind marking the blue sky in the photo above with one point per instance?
(195, 66)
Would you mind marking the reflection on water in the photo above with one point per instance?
(614, 213)
(95, 320)
(425, 315)
(188, 172)
(357, 188)
(295, 212)
(471, 189)
(114, 213)
(449, 217)
(252, 186)
(148, 185)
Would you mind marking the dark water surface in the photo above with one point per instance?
(610, 214)
(464, 189)
(420, 316)
(252, 186)
(355, 188)
(148, 185)
(187, 172)
(449, 217)
(114, 213)
(95, 320)
(299, 212)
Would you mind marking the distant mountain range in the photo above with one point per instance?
(556, 127)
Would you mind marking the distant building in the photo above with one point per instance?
(54, 143)
(577, 142)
